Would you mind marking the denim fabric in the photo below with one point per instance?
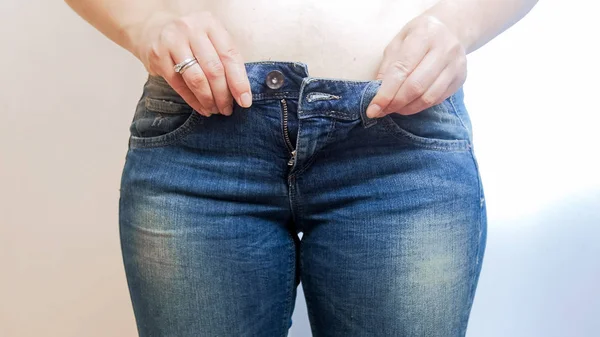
(391, 210)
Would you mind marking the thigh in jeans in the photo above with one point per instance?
(393, 220)
(391, 209)
(204, 220)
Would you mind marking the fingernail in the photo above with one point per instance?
(373, 110)
(228, 110)
(246, 99)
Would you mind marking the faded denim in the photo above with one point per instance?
(391, 210)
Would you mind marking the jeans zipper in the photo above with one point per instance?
(286, 133)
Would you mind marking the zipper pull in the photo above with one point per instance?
(291, 161)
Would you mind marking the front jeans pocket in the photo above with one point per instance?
(438, 127)
(161, 118)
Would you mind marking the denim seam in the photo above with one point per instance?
(307, 298)
(299, 212)
(340, 114)
(400, 133)
(321, 96)
(295, 215)
(472, 288)
(166, 106)
(262, 96)
(338, 80)
(366, 120)
(169, 138)
(455, 112)
(330, 113)
(271, 62)
(159, 80)
(312, 158)
(288, 302)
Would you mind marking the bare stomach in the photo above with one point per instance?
(335, 38)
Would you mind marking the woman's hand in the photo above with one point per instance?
(423, 65)
(165, 40)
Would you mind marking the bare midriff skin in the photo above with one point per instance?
(417, 48)
(339, 38)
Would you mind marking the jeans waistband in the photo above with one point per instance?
(317, 96)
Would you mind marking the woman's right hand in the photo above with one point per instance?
(209, 86)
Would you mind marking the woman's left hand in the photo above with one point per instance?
(423, 65)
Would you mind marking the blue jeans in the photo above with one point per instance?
(391, 211)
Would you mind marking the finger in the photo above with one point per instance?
(435, 94)
(198, 84)
(419, 81)
(176, 82)
(214, 71)
(193, 76)
(405, 59)
(235, 69)
(388, 60)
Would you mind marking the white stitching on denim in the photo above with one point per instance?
(472, 286)
(321, 96)
(455, 112)
(169, 138)
(166, 106)
(288, 302)
(445, 145)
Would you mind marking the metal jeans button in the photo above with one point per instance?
(275, 79)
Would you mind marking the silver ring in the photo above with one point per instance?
(180, 65)
(187, 66)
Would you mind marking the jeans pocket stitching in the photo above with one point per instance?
(166, 106)
(437, 144)
(454, 111)
(168, 138)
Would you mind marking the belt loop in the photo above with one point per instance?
(303, 68)
(366, 98)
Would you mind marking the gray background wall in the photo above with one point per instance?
(67, 95)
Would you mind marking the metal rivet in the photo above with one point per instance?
(275, 79)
